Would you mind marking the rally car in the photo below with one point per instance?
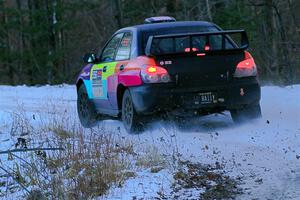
(166, 66)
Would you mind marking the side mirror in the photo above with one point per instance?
(89, 58)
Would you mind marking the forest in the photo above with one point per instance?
(43, 41)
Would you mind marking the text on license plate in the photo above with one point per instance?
(206, 97)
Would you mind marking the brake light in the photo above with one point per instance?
(155, 74)
(206, 47)
(246, 68)
(189, 49)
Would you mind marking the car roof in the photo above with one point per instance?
(162, 28)
(178, 24)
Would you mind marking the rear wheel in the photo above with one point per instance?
(249, 112)
(132, 122)
(86, 109)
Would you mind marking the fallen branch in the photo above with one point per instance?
(30, 149)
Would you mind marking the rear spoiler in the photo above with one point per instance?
(244, 43)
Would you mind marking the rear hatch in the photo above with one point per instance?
(198, 60)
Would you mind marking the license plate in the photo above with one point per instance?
(205, 98)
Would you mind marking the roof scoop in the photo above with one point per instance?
(159, 19)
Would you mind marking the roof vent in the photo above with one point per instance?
(159, 19)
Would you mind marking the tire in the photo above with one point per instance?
(131, 121)
(249, 112)
(85, 108)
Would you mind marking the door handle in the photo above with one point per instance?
(104, 69)
(121, 67)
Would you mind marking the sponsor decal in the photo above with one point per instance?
(166, 62)
(97, 75)
(97, 88)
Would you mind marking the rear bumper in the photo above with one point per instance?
(150, 98)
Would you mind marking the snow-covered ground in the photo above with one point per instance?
(265, 153)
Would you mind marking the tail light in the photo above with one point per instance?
(206, 47)
(155, 74)
(246, 68)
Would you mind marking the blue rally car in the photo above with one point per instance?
(164, 66)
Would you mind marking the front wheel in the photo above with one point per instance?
(249, 112)
(131, 120)
(86, 109)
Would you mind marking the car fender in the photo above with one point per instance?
(84, 76)
(130, 78)
(131, 74)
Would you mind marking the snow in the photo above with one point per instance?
(144, 186)
(263, 152)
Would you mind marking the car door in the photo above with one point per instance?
(102, 73)
(123, 56)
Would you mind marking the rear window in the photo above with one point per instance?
(180, 44)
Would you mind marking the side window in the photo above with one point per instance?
(110, 49)
(123, 52)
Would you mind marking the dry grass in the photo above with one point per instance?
(89, 165)
(152, 158)
(93, 160)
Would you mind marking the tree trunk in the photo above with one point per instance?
(208, 10)
(119, 15)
